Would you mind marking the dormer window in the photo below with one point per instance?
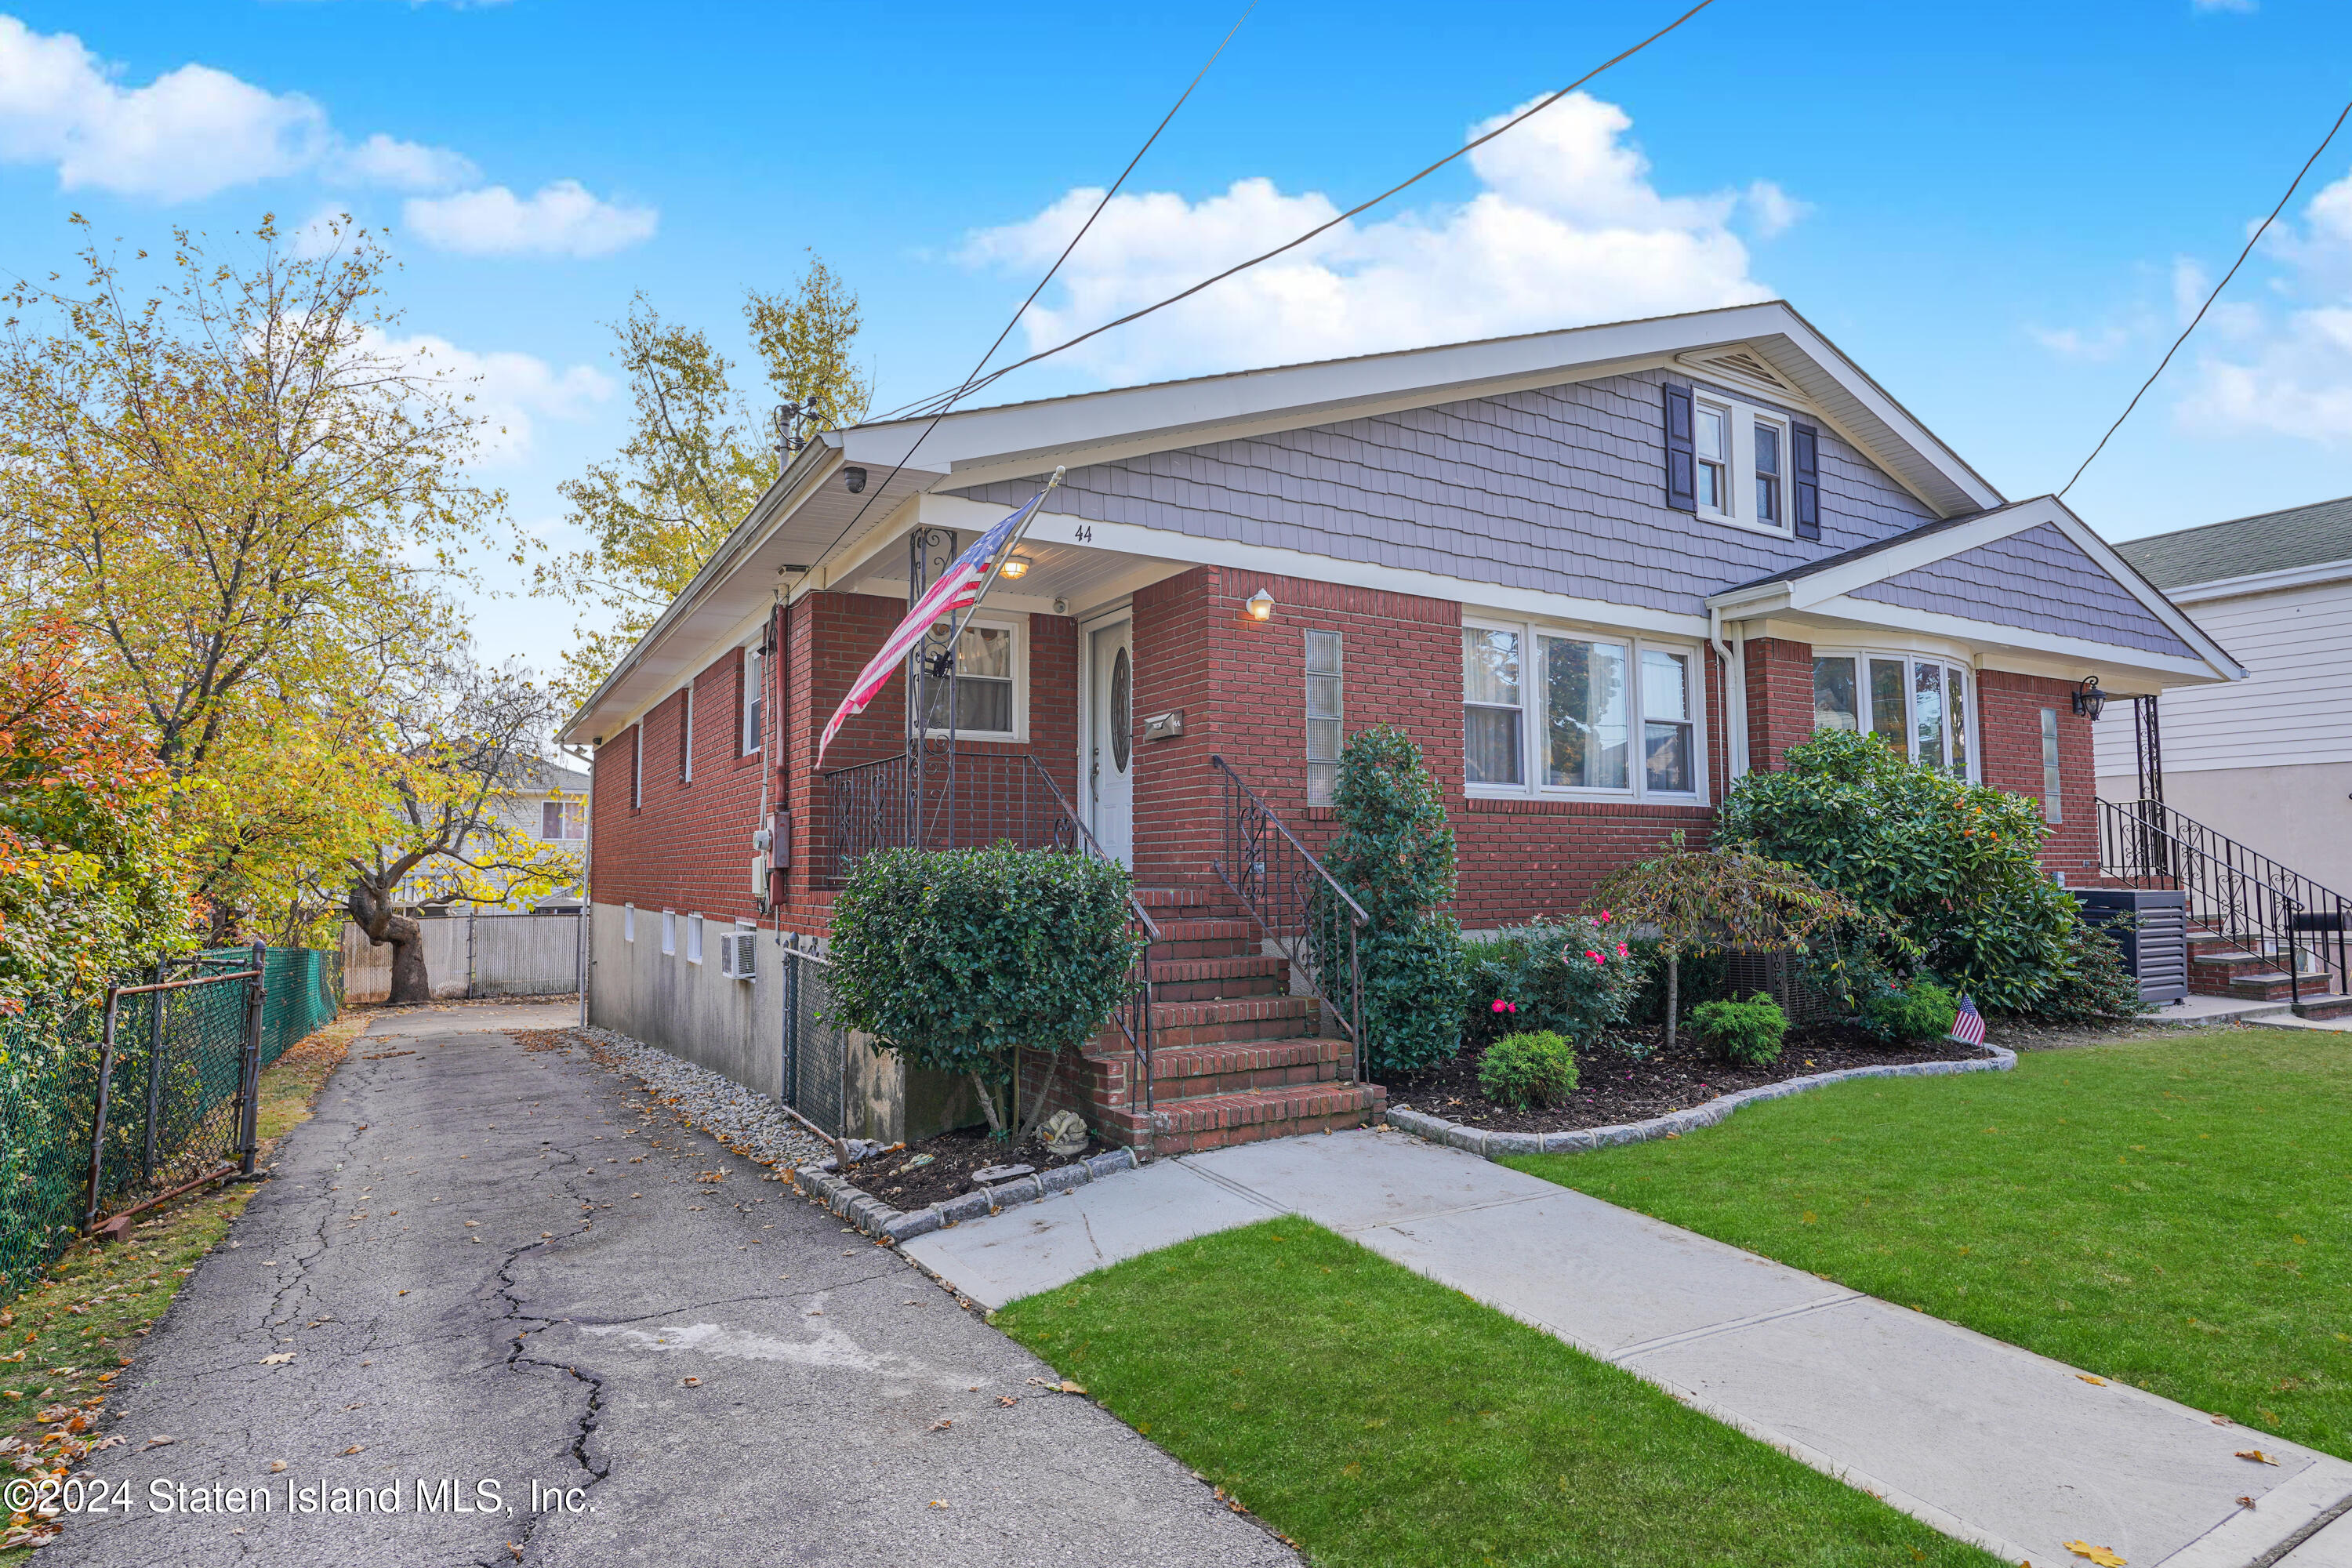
(1732, 462)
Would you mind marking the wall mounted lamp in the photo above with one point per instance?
(1015, 567)
(1261, 605)
(2089, 701)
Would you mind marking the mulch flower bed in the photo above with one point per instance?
(1613, 1088)
(899, 1181)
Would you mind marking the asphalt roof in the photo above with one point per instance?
(2243, 546)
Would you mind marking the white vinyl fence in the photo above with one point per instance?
(475, 956)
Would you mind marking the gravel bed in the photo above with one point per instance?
(751, 1124)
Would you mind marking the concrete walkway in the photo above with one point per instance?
(1984, 1441)
(487, 1288)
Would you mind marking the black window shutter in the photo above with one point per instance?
(1682, 474)
(1804, 452)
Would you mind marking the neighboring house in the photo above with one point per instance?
(546, 802)
(2268, 764)
(1597, 573)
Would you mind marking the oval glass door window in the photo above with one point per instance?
(1122, 721)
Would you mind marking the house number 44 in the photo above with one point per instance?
(1084, 533)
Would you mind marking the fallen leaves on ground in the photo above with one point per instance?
(2106, 1557)
(2095, 1381)
(280, 1359)
(2257, 1455)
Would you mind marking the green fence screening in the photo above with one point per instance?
(171, 1098)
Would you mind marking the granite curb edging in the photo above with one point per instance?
(884, 1224)
(1494, 1145)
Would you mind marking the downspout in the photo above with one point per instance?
(1735, 692)
(588, 886)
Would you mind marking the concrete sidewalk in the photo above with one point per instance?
(1987, 1442)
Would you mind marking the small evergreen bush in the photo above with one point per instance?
(1394, 854)
(1746, 1032)
(1529, 1071)
(1576, 977)
(957, 958)
(1922, 1010)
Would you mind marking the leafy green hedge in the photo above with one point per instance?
(1953, 867)
(1577, 978)
(956, 958)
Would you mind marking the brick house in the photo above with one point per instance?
(1598, 575)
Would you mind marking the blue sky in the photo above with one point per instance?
(1996, 208)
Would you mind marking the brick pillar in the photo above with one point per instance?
(1780, 699)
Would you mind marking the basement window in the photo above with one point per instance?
(628, 922)
(669, 931)
(694, 938)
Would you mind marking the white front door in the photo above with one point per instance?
(1110, 739)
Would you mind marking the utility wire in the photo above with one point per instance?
(2251, 242)
(947, 399)
(972, 381)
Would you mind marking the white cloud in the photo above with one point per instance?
(561, 219)
(512, 390)
(2240, 6)
(404, 165)
(2071, 342)
(195, 131)
(189, 132)
(1567, 230)
(2281, 366)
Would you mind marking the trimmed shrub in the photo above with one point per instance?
(1529, 1071)
(1394, 853)
(956, 958)
(1576, 977)
(1746, 1032)
(1922, 1010)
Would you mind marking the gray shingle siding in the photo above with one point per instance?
(1560, 489)
(2038, 581)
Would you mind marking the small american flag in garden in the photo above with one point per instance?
(1969, 1023)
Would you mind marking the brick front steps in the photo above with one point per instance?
(1235, 1057)
(2220, 968)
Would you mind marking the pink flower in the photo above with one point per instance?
(1622, 951)
(1503, 1006)
(1604, 917)
(1594, 956)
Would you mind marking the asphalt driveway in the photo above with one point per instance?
(489, 1310)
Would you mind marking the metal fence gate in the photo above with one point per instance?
(816, 1053)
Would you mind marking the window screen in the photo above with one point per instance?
(1324, 678)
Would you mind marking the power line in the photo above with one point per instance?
(969, 381)
(2291, 186)
(958, 394)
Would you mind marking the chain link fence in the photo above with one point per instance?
(82, 1129)
(816, 1053)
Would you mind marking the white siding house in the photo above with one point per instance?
(2266, 761)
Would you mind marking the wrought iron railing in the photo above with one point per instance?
(1299, 906)
(980, 799)
(2238, 894)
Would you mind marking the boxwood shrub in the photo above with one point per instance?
(1528, 1071)
(1746, 1032)
(955, 958)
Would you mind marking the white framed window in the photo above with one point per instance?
(685, 734)
(628, 922)
(992, 683)
(1324, 676)
(564, 819)
(637, 766)
(1919, 704)
(1742, 464)
(754, 690)
(669, 931)
(1554, 711)
(694, 938)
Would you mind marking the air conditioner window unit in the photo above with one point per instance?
(737, 954)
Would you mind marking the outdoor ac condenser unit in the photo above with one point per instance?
(737, 954)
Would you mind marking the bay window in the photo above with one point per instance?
(1558, 710)
(1917, 704)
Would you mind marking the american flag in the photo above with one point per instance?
(958, 588)
(1968, 1024)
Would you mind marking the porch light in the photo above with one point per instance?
(2089, 701)
(1261, 605)
(1016, 566)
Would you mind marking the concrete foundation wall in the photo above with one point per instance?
(2298, 815)
(512, 955)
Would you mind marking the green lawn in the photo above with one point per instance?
(1375, 1418)
(2174, 1212)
